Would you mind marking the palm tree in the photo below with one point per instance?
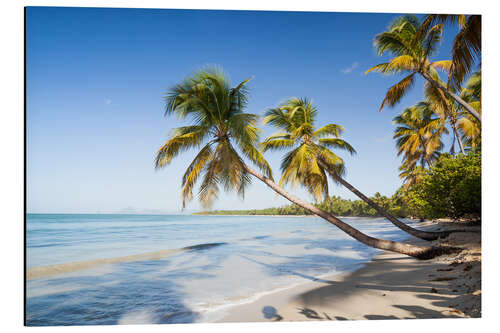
(411, 174)
(418, 135)
(224, 131)
(412, 53)
(301, 165)
(446, 108)
(310, 158)
(466, 45)
(469, 126)
(472, 90)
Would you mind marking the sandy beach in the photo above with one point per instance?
(391, 286)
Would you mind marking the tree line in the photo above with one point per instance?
(449, 189)
(334, 205)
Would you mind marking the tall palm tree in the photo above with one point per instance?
(224, 131)
(412, 52)
(296, 117)
(466, 47)
(310, 158)
(418, 135)
(469, 126)
(446, 108)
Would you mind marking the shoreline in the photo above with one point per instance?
(70, 267)
(216, 314)
(390, 286)
(242, 215)
(281, 215)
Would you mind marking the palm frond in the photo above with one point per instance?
(258, 159)
(193, 172)
(380, 68)
(471, 131)
(289, 166)
(277, 118)
(331, 159)
(300, 166)
(397, 91)
(209, 188)
(472, 90)
(432, 39)
(183, 139)
(432, 19)
(327, 130)
(466, 50)
(238, 98)
(444, 65)
(439, 101)
(393, 43)
(242, 127)
(277, 144)
(337, 143)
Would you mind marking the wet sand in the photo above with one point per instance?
(52, 270)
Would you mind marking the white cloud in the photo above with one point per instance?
(349, 69)
(108, 101)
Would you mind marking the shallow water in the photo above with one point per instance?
(246, 257)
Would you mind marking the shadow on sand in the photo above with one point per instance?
(380, 283)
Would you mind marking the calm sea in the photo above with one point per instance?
(220, 261)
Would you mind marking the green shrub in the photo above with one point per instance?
(452, 188)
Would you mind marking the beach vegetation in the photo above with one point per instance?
(450, 188)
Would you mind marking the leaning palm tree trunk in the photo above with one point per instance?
(419, 252)
(457, 98)
(425, 235)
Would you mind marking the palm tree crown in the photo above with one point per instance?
(411, 53)
(444, 106)
(296, 120)
(418, 135)
(220, 127)
(466, 45)
(469, 125)
(418, 139)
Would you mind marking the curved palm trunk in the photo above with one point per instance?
(457, 98)
(425, 235)
(420, 252)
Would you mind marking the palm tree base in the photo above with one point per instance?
(436, 251)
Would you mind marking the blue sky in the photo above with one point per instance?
(96, 77)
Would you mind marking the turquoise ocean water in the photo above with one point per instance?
(221, 261)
